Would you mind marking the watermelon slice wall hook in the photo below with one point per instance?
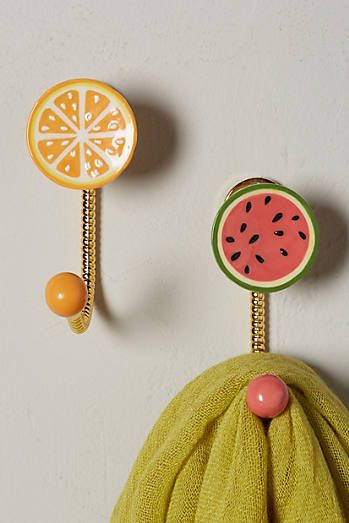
(259, 437)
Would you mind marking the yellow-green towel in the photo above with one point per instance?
(210, 460)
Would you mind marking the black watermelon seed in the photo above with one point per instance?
(279, 233)
(235, 256)
(247, 269)
(259, 258)
(254, 238)
(230, 239)
(277, 217)
(302, 235)
(295, 217)
(243, 227)
(248, 206)
(283, 252)
(267, 199)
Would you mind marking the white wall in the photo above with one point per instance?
(222, 90)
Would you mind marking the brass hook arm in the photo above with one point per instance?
(80, 323)
(258, 321)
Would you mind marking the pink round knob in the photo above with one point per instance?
(267, 396)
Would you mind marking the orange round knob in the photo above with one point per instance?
(66, 294)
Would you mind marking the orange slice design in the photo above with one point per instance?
(50, 122)
(111, 146)
(51, 149)
(70, 164)
(94, 164)
(82, 134)
(112, 121)
(95, 104)
(68, 103)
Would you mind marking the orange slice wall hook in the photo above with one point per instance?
(81, 134)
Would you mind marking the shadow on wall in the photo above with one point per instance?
(334, 241)
(157, 147)
(157, 140)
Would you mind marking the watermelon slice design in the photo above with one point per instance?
(265, 237)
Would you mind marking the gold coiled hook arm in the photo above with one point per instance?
(80, 323)
(258, 321)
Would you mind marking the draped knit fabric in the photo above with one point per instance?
(208, 459)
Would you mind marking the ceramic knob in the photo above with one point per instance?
(66, 294)
(267, 396)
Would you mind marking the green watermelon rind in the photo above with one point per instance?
(217, 221)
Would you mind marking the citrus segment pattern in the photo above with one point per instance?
(82, 134)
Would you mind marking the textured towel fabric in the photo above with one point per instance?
(210, 460)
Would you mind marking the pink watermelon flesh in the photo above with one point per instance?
(265, 237)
